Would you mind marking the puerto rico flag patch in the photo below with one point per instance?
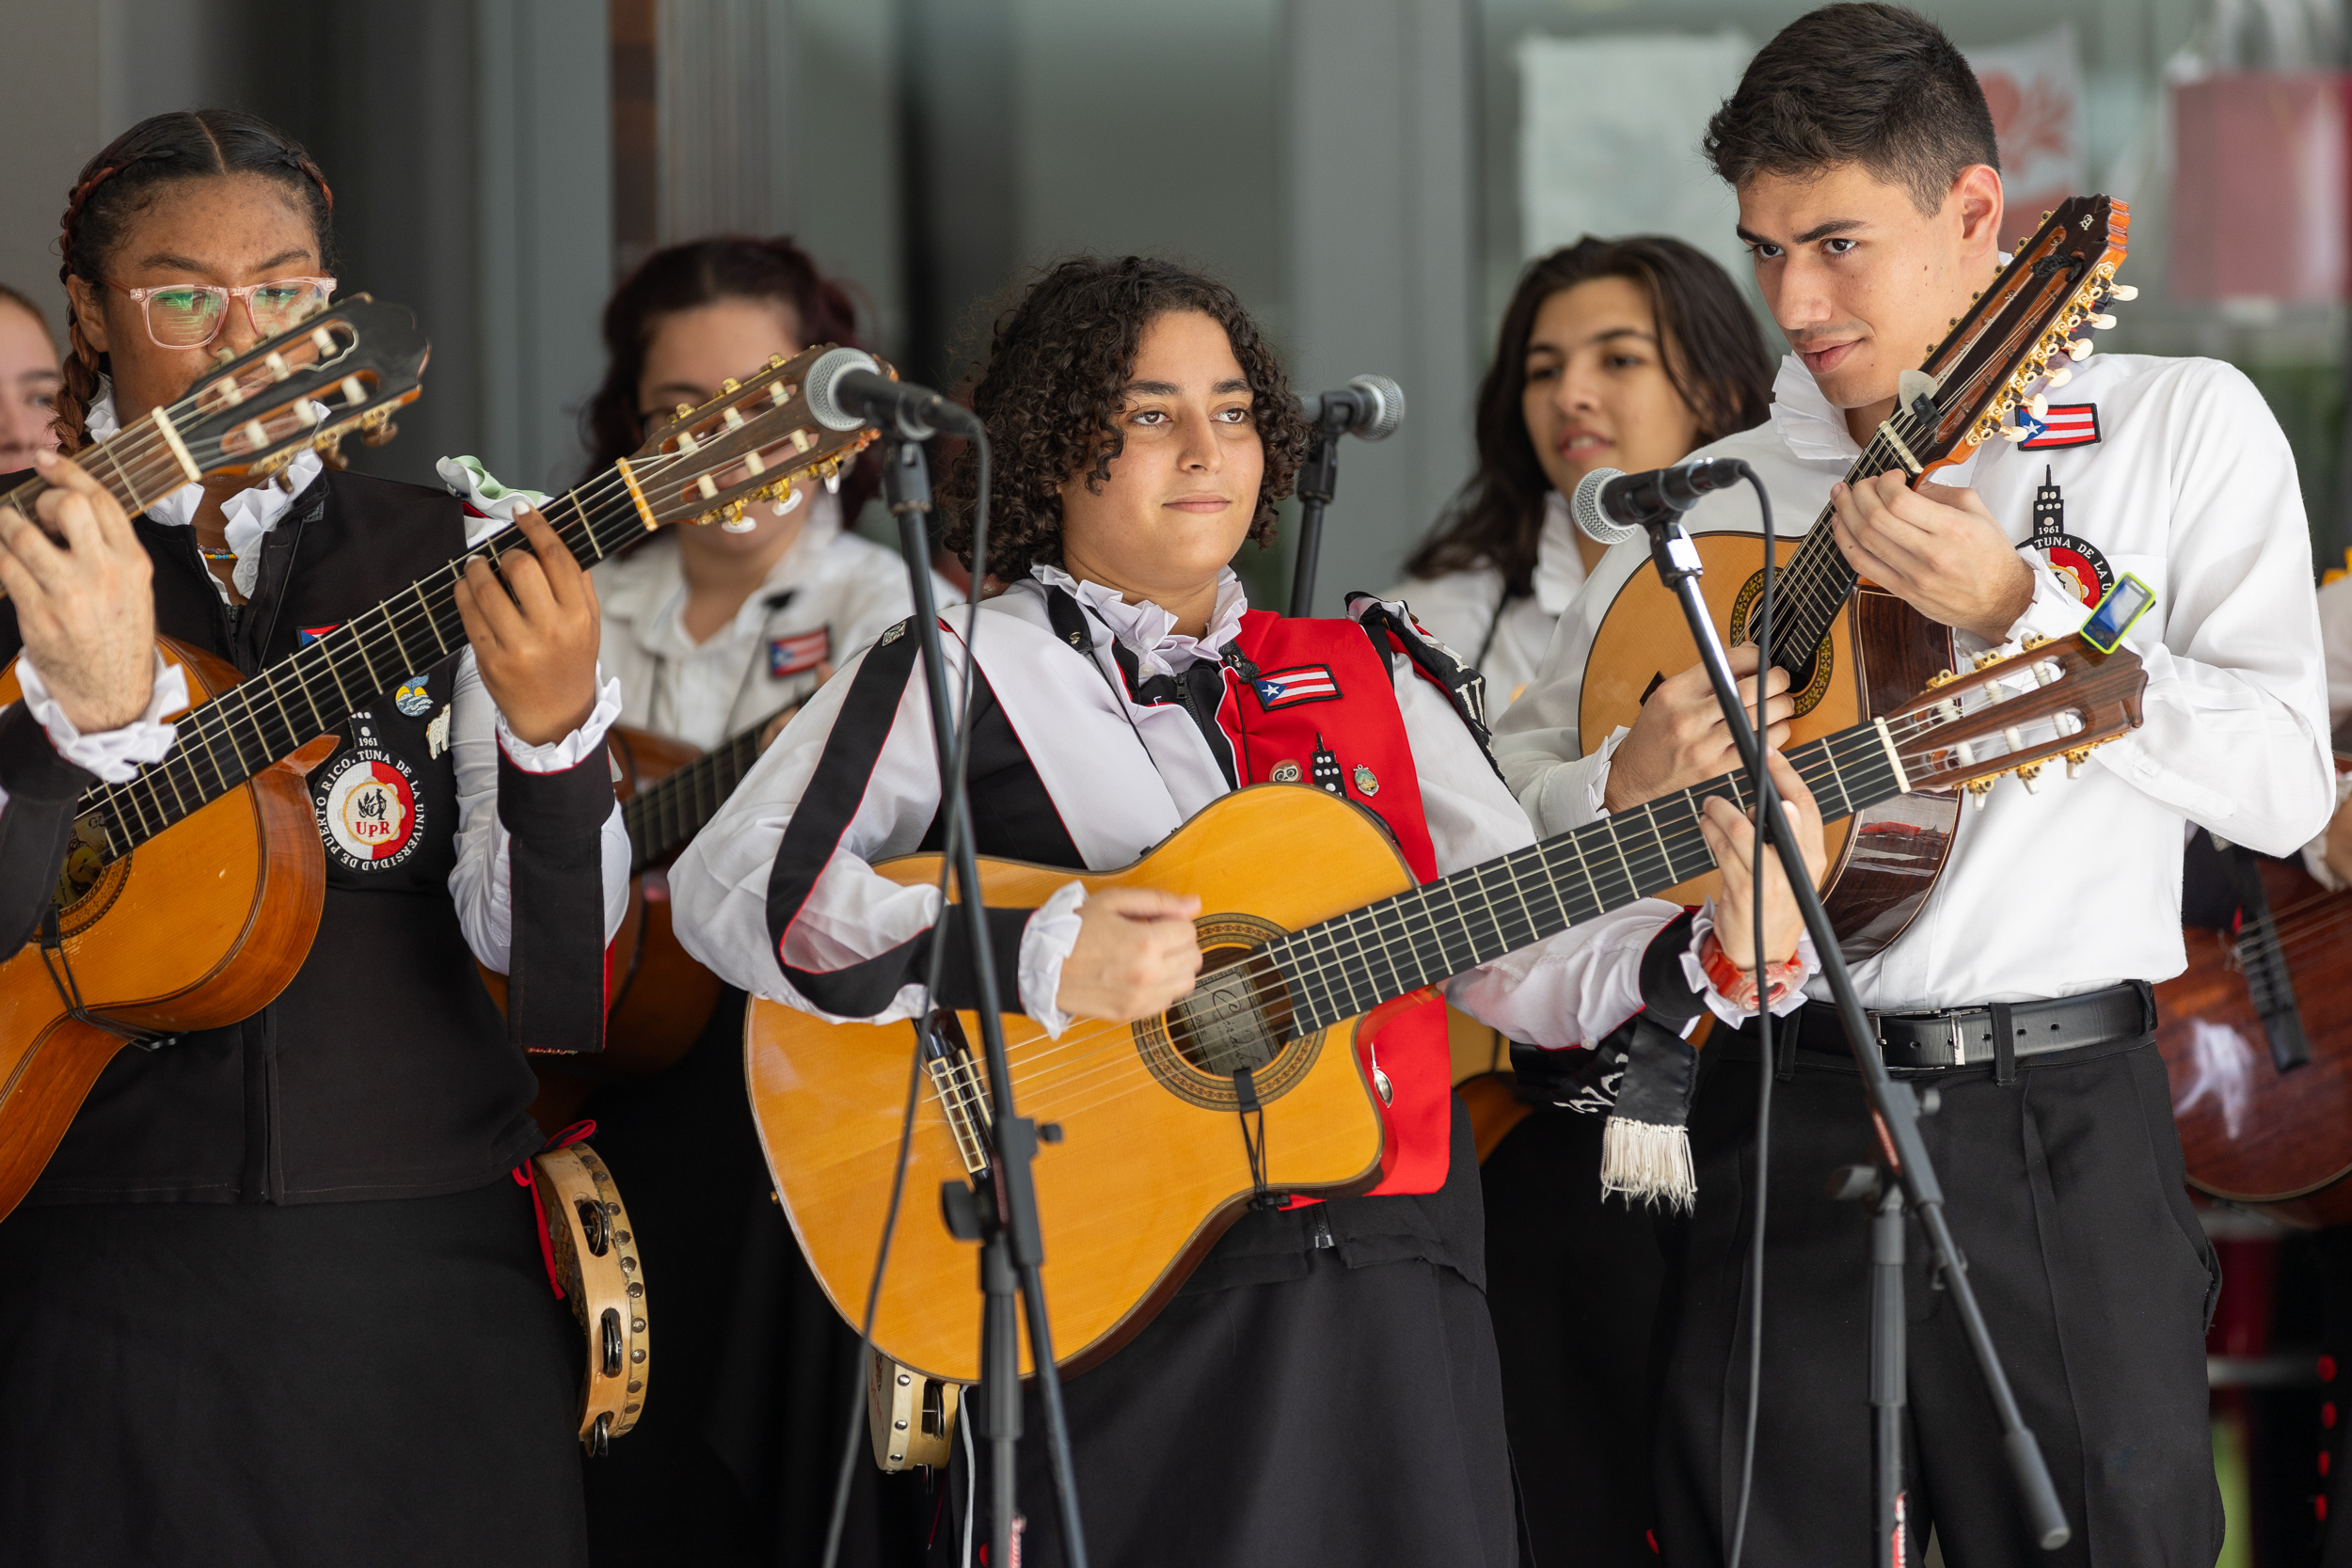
(2070, 424)
(1307, 683)
(799, 655)
(304, 636)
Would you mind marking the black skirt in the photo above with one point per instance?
(1323, 1389)
(355, 1384)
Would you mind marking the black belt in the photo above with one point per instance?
(1972, 1036)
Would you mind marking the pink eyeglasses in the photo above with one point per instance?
(189, 315)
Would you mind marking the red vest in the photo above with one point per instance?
(1322, 711)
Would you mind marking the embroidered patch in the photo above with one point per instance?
(1286, 771)
(1365, 783)
(367, 807)
(2075, 560)
(894, 634)
(309, 635)
(1326, 770)
(437, 732)
(2070, 424)
(798, 656)
(412, 698)
(1307, 683)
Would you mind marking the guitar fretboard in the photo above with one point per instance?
(230, 738)
(1810, 591)
(663, 818)
(1351, 964)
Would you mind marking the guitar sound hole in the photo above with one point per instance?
(1236, 1017)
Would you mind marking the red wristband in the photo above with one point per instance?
(1737, 985)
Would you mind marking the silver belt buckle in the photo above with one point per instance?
(1959, 1037)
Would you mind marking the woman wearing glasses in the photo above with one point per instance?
(278, 1297)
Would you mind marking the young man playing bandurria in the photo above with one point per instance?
(1869, 195)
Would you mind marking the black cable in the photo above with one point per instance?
(1764, 803)
(952, 796)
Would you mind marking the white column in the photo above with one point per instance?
(1381, 225)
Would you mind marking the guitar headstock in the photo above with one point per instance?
(362, 360)
(749, 443)
(2022, 332)
(2057, 698)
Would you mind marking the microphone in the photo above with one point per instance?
(1371, 407)
(846, 388)
(1610, 505)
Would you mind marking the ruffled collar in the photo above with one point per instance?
(1149, 630)
(252, 512)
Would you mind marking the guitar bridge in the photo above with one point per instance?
(961, 1088)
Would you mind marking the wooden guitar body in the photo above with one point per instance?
(2251, 1133)
(197, 927)
(1150, 1167)
(1879, 654)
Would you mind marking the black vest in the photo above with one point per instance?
(383, 1070)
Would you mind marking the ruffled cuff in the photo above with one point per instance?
(1045, 943)
(558, 756)
(1596, 781)
(114, 756)
(2315, 852)
(1722, 1006)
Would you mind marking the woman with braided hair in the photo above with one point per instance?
(277, 1296)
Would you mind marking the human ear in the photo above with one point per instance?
(87, 313)
(1978, 197)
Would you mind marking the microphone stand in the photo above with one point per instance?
(1894, 1106)
(1318, 479)
(1013, 1248)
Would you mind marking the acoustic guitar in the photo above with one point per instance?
(1316, 926)
(661, 998)
(194, 889)
(1852, 654)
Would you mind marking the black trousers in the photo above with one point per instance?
(2064, 1191)
(1572, 1280)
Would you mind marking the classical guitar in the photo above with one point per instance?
(2258, 1046)
(1850, 654)
(661, 999)
(1315, 924)
(165, 925)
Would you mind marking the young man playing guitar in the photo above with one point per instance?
(1864, 161)
(1324, 1386)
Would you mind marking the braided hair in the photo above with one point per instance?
(698, 273)
(121, 181)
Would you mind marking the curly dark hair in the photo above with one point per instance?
(1056, 380)
(114, 186)
(1714, 356)
(682, 277)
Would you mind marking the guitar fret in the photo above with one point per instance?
(586, 526)
(417, 589)
(392, 626)
(360, 642)
(325, 648)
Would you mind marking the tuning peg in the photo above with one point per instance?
(2074, 760)
(1978, 789)
(2102, 322)
(775, 361)
(2039, 406)
(730, 386)
(682, 410)
(2058, 377)
(2123, 291)
(1978, 295)
(2036, 640)
(2079, 350)
(2045, 217)
(2027, 775)
(2013, 433)
(833, 482)
(1987, 658)
(1942, 678)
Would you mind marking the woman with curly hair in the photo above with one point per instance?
(1323, 1386)
(1622, 354)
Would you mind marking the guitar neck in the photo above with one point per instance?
(1811, 590)
(663, 818)
(137, 466)
(315, 691)
(1351, 964)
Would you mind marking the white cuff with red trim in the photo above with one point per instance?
(575, 748)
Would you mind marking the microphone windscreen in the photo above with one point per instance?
(1388, 401)
(1584, 507)
(821, 387)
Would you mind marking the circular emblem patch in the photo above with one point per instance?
(2079, 566)
(368, 811)
(413, 698)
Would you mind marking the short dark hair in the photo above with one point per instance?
(1874, 84)
(1708, 342)
(1056, 380)
(697, 273)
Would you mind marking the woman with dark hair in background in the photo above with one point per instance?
(1620, 353)
(712, 631)
(278, 1297)
(28, 382)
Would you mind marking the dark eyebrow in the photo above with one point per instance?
(1153, 388)
(1230, 384)
(1819, 232)
(1539, 346)
(182, 263)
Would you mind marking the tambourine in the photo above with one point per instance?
(595, 1259)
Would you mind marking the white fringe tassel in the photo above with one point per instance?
(1647, 1162)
